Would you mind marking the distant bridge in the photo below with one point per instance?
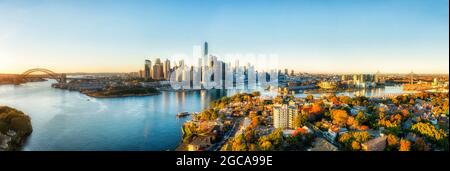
(61, 78)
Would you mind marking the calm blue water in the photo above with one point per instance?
(65, 120)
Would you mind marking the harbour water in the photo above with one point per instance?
(68, 120)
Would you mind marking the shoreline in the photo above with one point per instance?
(15, 128)
(30, 81)
(120, 96)
(320, 91)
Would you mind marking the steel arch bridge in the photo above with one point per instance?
(61, 78)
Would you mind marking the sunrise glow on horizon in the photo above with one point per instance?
(308, 36)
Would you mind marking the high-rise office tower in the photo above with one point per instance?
(155, 72)
(148, 68)
(167, 69)
(158, 70)
(158, 61)
(205, 49)
(211, 60)
(204, 63)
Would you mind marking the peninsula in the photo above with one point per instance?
(15, 127)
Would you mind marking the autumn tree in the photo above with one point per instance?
(239, 143)
(411, 101)
(253, 147)
(339, 117)
(334, 100)
(300, 120)
(345, 99)
(353, 140)
(214, 115)
(352, 122)
(266, 145)
(250, 135)
(361, 136)
(392, 142)
(255, 122)
(405, 145)
(356, 146)
(276, 137)
(309, 98)
(316, 108)
(405, 113)
(429, 131)
(345, 138)
(361, 117)
(272, 141)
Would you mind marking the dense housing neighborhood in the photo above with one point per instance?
(251, 122)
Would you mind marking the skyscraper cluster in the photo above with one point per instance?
(363, 80)
(211, 72)
(157, 71)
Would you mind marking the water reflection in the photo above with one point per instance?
(67, 120)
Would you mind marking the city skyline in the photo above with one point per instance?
(321, 37)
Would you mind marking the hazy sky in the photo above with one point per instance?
(308, 35)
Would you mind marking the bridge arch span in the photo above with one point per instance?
(61, 78)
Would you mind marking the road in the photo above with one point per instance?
(232, 131)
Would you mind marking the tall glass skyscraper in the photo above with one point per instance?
(148, 66)
(205, 49)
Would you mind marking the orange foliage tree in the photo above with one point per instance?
(339, 117)
(405, 145)
(392, 141)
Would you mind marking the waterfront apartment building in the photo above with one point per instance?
(284, 115)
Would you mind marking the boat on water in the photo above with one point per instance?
(183, 114)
